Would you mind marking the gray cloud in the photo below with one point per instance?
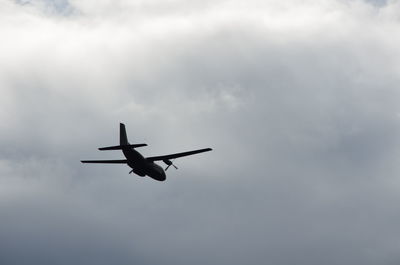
(299, 102)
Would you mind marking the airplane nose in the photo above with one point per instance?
(163, 177)
(160, 176)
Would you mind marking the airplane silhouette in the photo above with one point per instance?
(140, 165)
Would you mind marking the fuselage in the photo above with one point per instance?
(143, 167)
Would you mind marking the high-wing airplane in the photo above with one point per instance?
(140, 165)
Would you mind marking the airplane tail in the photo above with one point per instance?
(123, 139)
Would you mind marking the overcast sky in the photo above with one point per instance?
(298, 99)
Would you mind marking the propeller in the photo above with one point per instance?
(169, 163)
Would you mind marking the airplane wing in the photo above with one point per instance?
(172, 156)
(122, 161)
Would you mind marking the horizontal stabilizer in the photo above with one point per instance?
(120, 147)
(122, 161)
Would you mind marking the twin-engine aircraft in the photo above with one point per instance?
(140, 165)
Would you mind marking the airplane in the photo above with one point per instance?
(142, 166)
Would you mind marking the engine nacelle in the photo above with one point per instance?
(167, 162)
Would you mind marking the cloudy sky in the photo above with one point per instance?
(298, 99)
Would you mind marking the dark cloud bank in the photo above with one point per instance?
(299, 102)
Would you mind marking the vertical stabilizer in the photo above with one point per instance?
(123, 139)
